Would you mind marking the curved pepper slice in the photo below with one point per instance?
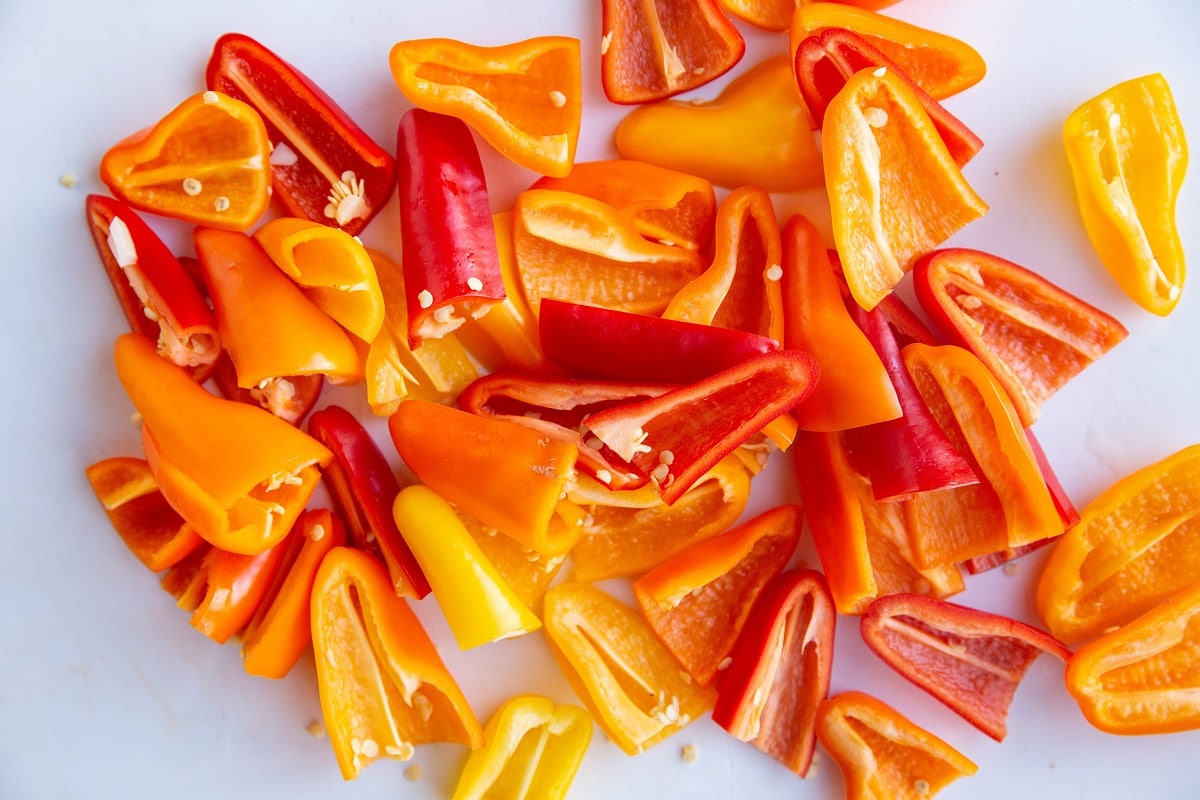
(533, 750)
(854, 388)
(281, 629)
(939, 64)
(269, 327)
(780, 670)
(323, 166)
(1134, 546)
(159, 298)
(205, 162)
(757, 132)
(332, 268)
(676, 437)
(894, 190)
(667, 205)
(524, 98)
(363, 487)
(971, 660)
(478, 605)
(289, 397)
(1142, 677)
(657, 49)
(505, 475)
(231, 470)
(152, 530)
(771, 15)
(740, 288)
(383, 685)
(582, 250)
(451, 265)
(1128, 155)
(526, 571)
(884, 755)
(625, 676)
(1032, 335)
(698, 600)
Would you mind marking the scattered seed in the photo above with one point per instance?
(880, 72)
(211, 97)
(221, 204)
(425, 298)
(67, 179)
(1012, 568)
(316, 729)
(875, 116)
(474, 284)
(774, 272)
(413, 773)
(605, 42)
(689, 753)
(192, 187)
(558, 99)
(968, 301)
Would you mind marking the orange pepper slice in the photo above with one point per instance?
(771, 15)
(206, 162)
(524, 98)
(526, 571)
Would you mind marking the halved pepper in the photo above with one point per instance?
(756, 132)
(159, 298)
(524, 98)
(780, 670)
(323, 166)
(383, 685)
(699, 599)
(1128, 155)
(231, 470)
(625, 676)
(971, 660)
(1033, 336)
(1134, 546)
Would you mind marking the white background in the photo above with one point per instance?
(106, 691)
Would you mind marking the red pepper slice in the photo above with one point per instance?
(289, 397)
(363, 487)
(676, 437)
(323, 166)
(654, 50)
(827, 58)
(780, 670)
(451, 262)
(623, 345)
(971, 660)
(159, 298)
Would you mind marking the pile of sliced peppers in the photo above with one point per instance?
(595, 376)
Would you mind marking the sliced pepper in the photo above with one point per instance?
(269, 327)
(621, 671)
(667, 205)
(780, 670)
(231, 470)
(526, 571)
(478, 605)
(676, 437)
(771, 15)
(939, 64)
(854, 388)
(1033, 336)
(533, 750)
(289, 397)
(658, 49)
(1133, 547)
(323, 166)
(451, 265)
(883, 755)
(159, 298)
(582, 250)
(383, 686)
(740, 288)
(756, 132)
(524, 98)
(205, 162)
(699, 599)
(152, 530)
(971, 660)
(1142, 677)
(505, 475)
(1128, 155)
(363, 487)
(894, 190)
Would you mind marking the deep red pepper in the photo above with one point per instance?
(827, 58)
(971, 660)
(608, 343)
(158, 296)
(676, 437)
(324, 167)
(450, 258)
(780, 669)
(363, 487)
